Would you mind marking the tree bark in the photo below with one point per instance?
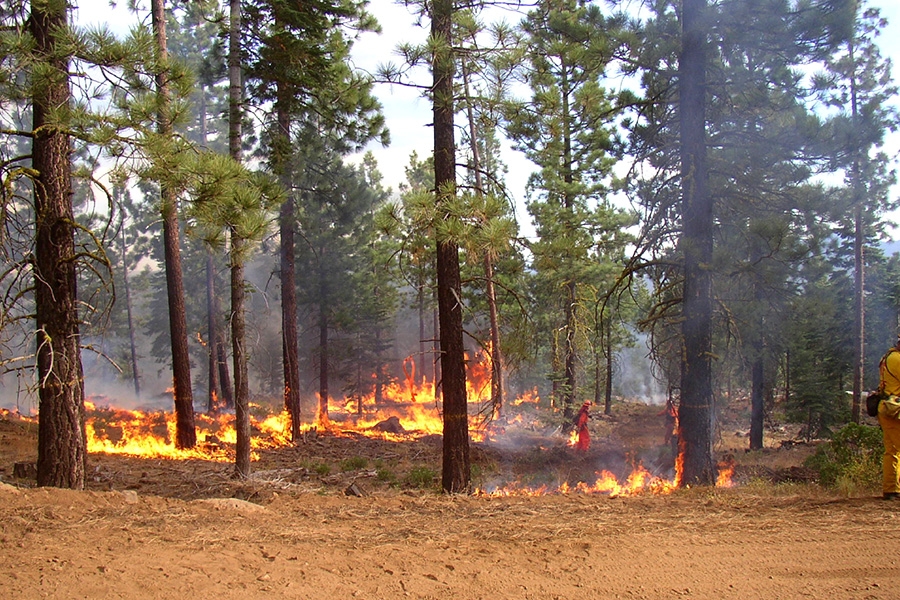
(238, 333)
(696, 408)
(290, 340)
(185, 432)
(214, 399)
(455, 473)
(571, 286)
(62, 443)
(241, 385)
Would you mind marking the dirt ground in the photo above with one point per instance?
(345, 516)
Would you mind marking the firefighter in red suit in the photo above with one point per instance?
(581, 427)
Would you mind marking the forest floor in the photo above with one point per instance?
(346, 516)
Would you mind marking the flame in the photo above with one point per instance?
(529, 397)
(726, 472)
(410, 406)
(638, 482)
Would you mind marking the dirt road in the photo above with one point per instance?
(692, 544)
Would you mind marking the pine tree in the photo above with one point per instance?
(566, 130)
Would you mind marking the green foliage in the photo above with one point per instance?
(354, 463)
(385, 475)
(421, 478)
(851, 460)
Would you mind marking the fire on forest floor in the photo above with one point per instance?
(523, 457)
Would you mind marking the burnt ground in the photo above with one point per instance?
(344, 516)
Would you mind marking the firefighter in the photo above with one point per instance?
(581, 427)
(889, 419)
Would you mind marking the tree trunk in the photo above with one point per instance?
(289, 341)
(423, 354)
(455, 473)
(323, 418)
(436, 348)
(214, 401)
(496, 352)
(378, 384)
(496, 355)
(571, 289)
(569, 391)
(62, 444)
(696, 408)
(607, 397)
(185, 432)
(757, 401)
(859, 278)
(222, 359)
(215, 396)
(132, 341)
(241, 385)
(235, 83)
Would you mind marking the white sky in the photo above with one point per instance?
(407, 114)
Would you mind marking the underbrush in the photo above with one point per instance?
(851, 461)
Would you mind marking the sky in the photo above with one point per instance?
(408, 114)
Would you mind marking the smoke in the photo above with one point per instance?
(633, 376)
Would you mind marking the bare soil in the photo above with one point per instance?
(346, 516)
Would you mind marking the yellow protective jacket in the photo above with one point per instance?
(889, 370)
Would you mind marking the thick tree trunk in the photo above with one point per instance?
(62, 445)
(455, 473)
(290, 338)
(185, 432)
(696, 409)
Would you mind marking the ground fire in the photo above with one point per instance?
(408, 411)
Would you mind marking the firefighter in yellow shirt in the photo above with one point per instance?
(889, 419)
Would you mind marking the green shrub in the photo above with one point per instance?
(385, 475)
(851, 461)
(322, 469)
(353, 463)
(420, 477)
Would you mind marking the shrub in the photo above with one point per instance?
(385, 475)
(353, 463)
(420, 477)
(851, 460)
